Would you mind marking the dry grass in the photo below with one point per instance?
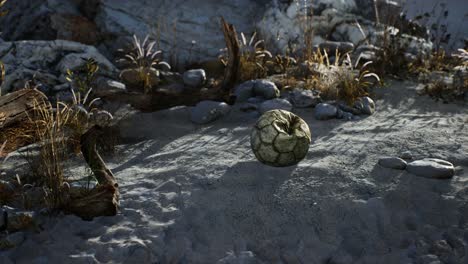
(145, 58)
(50, 128)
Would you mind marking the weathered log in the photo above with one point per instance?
(16, 107)
(231, 73)
(103, 200)
(16, 112)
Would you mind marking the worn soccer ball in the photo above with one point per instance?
(280, 138)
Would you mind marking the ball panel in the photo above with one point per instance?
(268, 134)
(255, 140)
(285, 143)
(267, 153)
(286, 159)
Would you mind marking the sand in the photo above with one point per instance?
(196, 194)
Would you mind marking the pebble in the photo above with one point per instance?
(325, 111)
(208, 111)
(392, 163)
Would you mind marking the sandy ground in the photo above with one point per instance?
(196, 194)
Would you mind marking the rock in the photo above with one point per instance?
(171, 77)
(280, 138)
(244, 257)
(265, 89)
(325, 111)
(106, 87)
(46, 62)
(392, 163)
(304, 98)
(18, 220)
(247, 107)
(332, 46)
(208, 111)
(431, 168)
(256, 88)
(349, 109)
(15, 239)
(273, 104)
(61, 87)
(256, 100)
(407, 155)
(171, 89)
(133, 77)
(340, 114)
(366, 105)
(194, 78)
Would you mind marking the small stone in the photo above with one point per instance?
(392, 163)
(256, 100)
(18, 220)
(407, 155)
(194, 78)
(274, 104)
(325, 111)
(134, 77)
(208, 111)
(16, 239)
(266, 89)
(256, 88)
(366, 105)
(247, 107)
(304, 98)
(431, 168)
(105, 87)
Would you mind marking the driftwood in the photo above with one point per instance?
(17, 106)
(231, 73)
(104, 199)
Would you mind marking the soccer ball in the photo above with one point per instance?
(280, 138)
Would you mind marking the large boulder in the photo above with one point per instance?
(46, 62)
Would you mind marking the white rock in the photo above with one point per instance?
(431, 168)
(195, 78)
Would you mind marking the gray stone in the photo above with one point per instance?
(172, 89)
(106, 87)
(407, 155)
(208, 111)
(366, 105)
(247, 107)
(332, 46)
(194, 78)
(256, 88)
(431, 168)
(256, 100)
(273, 104)
(304, 98)
(340, 114)
(16, 239)
(392, 163)
(265, 89)
(325, 111)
